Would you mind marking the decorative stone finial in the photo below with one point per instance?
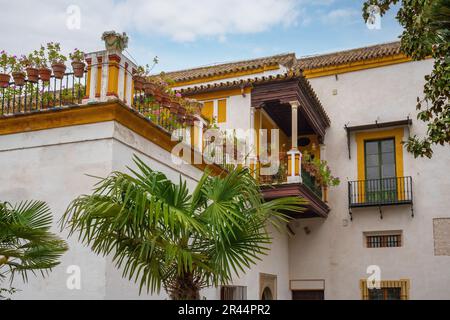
(115, 41)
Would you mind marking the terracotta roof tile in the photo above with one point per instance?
(348, 56)
(288, 60)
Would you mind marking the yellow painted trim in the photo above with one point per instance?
(356, 66)
(88, 114)
(222, 111)
(398, 135)
(98, 89)
(220, 94)
(403, 284)
(227, 75)
(113, 78)
(125, 82)
(208, 110)
(88, 80)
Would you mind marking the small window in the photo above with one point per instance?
(387, 290)
(383, 240)
(233, 293)
(385, 294)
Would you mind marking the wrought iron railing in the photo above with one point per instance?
(281, 177)
(42, 95)
(310, 182)
(380, 192)
(160, 113)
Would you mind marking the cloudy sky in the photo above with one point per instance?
(187, 33)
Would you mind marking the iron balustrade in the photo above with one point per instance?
(310, 182)
(70, 91)
(42, 95)
(380, 192)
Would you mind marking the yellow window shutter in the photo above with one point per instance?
(208, 109)
(222, 111)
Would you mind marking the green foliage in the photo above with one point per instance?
(26, 243)
(160, 235)
(54, 53)
(426, 34)
(6, 61)
(40, 57)
(77, 55)
(319, 170)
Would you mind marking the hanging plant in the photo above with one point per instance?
(42, 64)
(319, 170)
(56, 59)
(78, 64)
(18, 72)
(5, 67)
(30, 64)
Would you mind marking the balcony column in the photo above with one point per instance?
(197, 133)
(252, 158)
(294, 155)
(109, 77)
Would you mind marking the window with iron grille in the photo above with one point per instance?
(233, 293)
(383, 240)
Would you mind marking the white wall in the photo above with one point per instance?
(335, 252)
(51, 165)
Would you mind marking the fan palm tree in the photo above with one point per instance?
(26, 244)
(162, 236)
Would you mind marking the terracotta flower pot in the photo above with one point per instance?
(165, 99)
(58, 70)
(138, 82)
(4, 80)
(174, 107)
(32, 74)
(149, 88)
(78, 69)
(19, 78)
(182, 110)
(45, 74)
(189, 120)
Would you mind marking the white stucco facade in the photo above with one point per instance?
(51, 165)
(335, 249)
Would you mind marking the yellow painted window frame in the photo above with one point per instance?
(403, 284)
(208, 110)
(397, 134)
(221, 110)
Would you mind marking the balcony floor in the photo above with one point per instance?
(316, 208)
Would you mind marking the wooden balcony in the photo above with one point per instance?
(280, 185)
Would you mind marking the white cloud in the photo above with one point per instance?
(341, 16)
(31, 22)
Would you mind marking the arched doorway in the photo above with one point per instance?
(267, 294)
(267, 286)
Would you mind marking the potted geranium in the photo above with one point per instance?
(56, 59)
(18, 72)
(319, 171)
(78, 64)
(5, 64)
(41, 62)
(29, 63)
(139, 78)
(115, 41)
